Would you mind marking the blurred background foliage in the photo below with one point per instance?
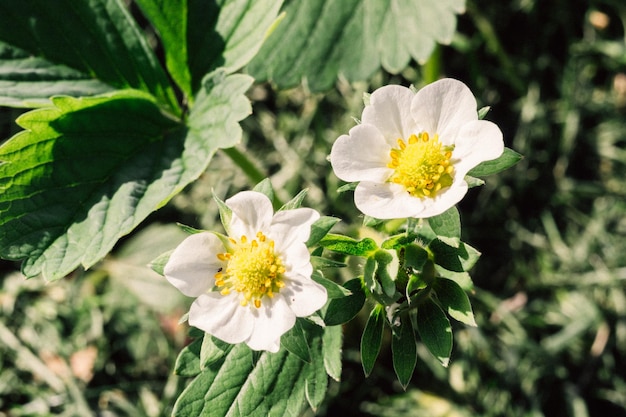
(550, 295)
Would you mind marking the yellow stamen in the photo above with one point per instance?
(422, 165)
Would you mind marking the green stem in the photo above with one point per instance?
(252, 172)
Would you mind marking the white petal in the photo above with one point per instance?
(386, 201)
(252, 212)
(222, 316)
(292, 226)
(362, 155)
(478, 141)
(444, 200)
(193, 264)
(443, 107)
(297, 258)
(303, 295)
(271, 321)
(390, 111)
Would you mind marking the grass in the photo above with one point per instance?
(550, 299)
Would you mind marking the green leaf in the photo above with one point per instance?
(333, 289)
(404, 352)
(353, 38)
(454, 301)
(351, 186)
(447, 224)
(415, 256)
(24, 77)
(188, 360)
(435, 331)
(199, 36)
(102, 42)
(398, 241)
(348, 245)
(87, 171)
(387, 270)
(372, 338)
(332, 341)
(244, 383)
(342, 310)
(320, 228)
(453, 254)
(295, 342)
(212, 350)
(508, 158)
(295, 202)
(462, 278)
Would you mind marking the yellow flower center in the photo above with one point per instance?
(253, 269)
(422, 165)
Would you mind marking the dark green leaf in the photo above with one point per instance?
(372, 338)
(348, 246)
(353, 38)
(200, 36)
(415, 256)
(404, 352)
(102, 42)
(295, 342)
(87, 171)
(508, 158)
(453, 254)
(333, 289)
(447, 224)
(454, 301)
(434, 329)
(342, 310)
(320, 228)
(28, 81)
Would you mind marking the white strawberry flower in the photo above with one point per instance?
(411, 151)
(251, 286)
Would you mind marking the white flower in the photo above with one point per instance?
(411, 152)
(251, 286)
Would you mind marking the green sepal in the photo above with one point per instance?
(348, 245)
(158, 264)
(226, 214)
(404, 351)
(454, 301)
(473, 181)
(372, 338)
(351, 186)
(482, 112)
(189, 229)
(265, 187)
(435, 331)
(295, 202)
(342, 310)
(320, 228)
(508, 158)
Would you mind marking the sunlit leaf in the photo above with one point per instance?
(87, 171)
(353, 38)
(447, 224)
(454, 301)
